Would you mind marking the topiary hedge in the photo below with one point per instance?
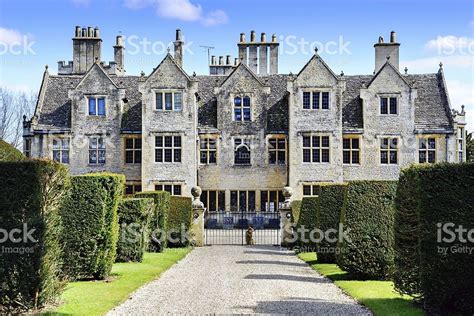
(9, 153)
(332, 200)
(91, 225)
(296, 210)
(179, 221)
(134, 217)
(368, 221)
(32, 193)
(158, 227)
(434, 262)
(307, 221)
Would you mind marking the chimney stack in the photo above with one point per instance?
(274, 55)
(387, 51)
(262, 55)
(257, 58)
(119, 52)
(178, 48)
(87, 47)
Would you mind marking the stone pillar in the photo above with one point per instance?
(286, 217)
(197, 225)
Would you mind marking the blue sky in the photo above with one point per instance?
(36, 33)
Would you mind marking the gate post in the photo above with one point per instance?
(285, 217)
(197, 224)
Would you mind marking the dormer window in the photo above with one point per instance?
(242, 111)
(96, 106)
(315, 100)
(169, 101)
(388, 105)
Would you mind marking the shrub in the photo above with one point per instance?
(308, 220)
(134, 218)
(31, 195)
(296, 210)
(9, 153)
(431, 196)
(332, 199)
(180, 216)
(91, 225)
(158, 224)
(368, 220)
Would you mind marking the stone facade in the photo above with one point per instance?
(328, 127)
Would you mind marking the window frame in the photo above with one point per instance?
(96, 109)
(320, 148)
(389, 150)
(61, 149)
(173, 185)
(134, 150)
(207, 150)
(312, 94)
(247, 199)
(241, 107)
(206, 197)
(460, 143)
(351, 150)
(163, 148)
(427, 149)
(97, 150)
(277, 150)
(163, 93)
(389, 97)
(134, 185)
(313, 186)
(245, 142)
(280, 199)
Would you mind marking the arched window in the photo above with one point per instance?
(241, 151)
(242, 110)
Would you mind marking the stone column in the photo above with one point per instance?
(197, 224)
(285, 217)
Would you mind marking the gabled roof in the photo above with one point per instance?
(388, 64)
(99, 68)
(240, 65)
(170, 58)
(312, 59)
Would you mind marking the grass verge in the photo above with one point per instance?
(98, 297)
(379, 296)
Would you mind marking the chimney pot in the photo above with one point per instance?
(84, 32)
(178, 35)
(393, 37)
(96, 32)
(380, 39)
(242, 37)
(252, 36)
(119, 40)
(221, 60)
(227, 60)
(90, 31)
(213, 60)
(236, 61)
(274, 38)
(78, 31)
(263, 38)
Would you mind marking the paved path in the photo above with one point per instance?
(240, 279)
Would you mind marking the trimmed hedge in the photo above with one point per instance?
(180, 214)
(91, 225)
(32, 193)
(296, 210)
(134, 217)
(368, 220)
(159, 223)
(308, 220)
(9, 153)
(332, 200)
(429, 197)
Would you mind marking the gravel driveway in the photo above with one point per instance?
(240, 279)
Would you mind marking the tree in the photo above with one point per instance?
(13, 105)
(469, 148)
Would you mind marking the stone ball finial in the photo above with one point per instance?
(196, 192)
(316, 49)
(287, 193)
(342, 73)
(440, 64)
(388, 57)
(406, 70)
(462, 109)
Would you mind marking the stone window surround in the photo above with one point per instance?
(134, 150)
(173, 184)
(97, 149)
(208, 150)
(311, 134)
(134, 184)
(247, 201)
(60, 149)
(168, 90)
(242, 95)
(381, 95)
(278, 194)
(379, 142)
(276, 136)
(95, 96)
(352, 136)
(313, 187)
(155, 134)
(460, 143)
(316, 89)
(205, 197)
(250, 147)
(426, 150)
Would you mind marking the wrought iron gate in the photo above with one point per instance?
(229, 228)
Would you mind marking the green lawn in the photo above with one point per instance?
(379, 296)
(98, 297)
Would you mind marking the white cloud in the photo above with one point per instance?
(450, 44)
(183, 10)
(431, 64)
(462, 93)
(9, 36)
